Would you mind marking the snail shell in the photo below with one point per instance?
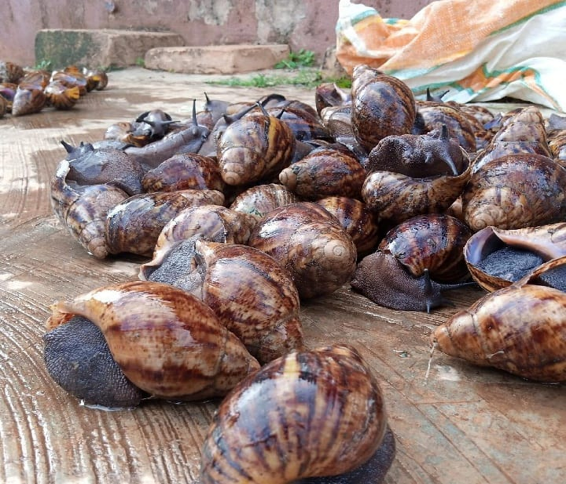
(10, 72)
(73, 78)
(519, 329)
(249, 292)
(397, 197)
(96, 79)
(542, 243)
(83, 210)
(514, 192)
(307, 414)
(28, 100)
(311, 244)
(60, 96)
(3, 106)
(184, 171)
(135, 224)
(253, 148)
(324, 172)
(167, 342)
(262, 199)
(210, 222)
(304, 124)
(356, 218)
(433, 242)
(382, 105)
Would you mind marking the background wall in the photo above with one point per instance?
(299, 23)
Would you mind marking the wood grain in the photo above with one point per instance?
(461, 425)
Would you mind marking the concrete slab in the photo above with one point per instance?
(98, 48)
(216, 59)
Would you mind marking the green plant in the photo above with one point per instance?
(43, 65)
(295, 60)
(140, 62)
(304, 78)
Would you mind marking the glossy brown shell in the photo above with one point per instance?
(210, 222)
(254, 147)
(60, 96)
(28, 100)
(252, 295)
(83, 210)
(166, 341)
(304, 125)
(324, 172)
(357, 219)
(184, 171)
(3, 106)
(315, 413)
(382, 105)
(262, 199)
(134, 225)
(311, 244)
(433, 242)
(436, 115)
(548, 241)
(521, 330)
(396, 197)
(515, 192)
(10, 72)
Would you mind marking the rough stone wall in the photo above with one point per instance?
(299, 23)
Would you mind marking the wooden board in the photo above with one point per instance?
(461, 425)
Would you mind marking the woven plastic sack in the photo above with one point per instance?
(481, 50)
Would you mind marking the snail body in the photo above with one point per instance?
(306, 414)
(166, 341)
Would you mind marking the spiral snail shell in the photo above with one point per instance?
(382, 105)
(167, 342)
(307, 414)
(310, 243)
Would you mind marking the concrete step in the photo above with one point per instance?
(98, 48)
(216, 59)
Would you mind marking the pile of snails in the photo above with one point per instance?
(28, 91)
(247, 209)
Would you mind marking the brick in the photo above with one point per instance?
(98, 48)
(216, 59)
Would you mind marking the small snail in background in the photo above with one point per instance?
(307, 414)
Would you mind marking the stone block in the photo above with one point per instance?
(98, 48)
(216, 59)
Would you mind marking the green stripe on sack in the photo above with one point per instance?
(524, 19)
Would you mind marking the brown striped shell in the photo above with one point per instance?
(262, 199)
(304, 124)
(307, 414)
(71, 79)
(250, 293)
(28, 100)
(356, 218)
(254, 147)
(83, 210)
(166, 341)
(519, 329)
(324, 172)
(184, 171)
(10, 72)
(546, 241)
(135, 224)
(396, 197)
(3, 106)
(311, 244)
(60, 96)
(209, 222)
(430, 242)
(382, 105)
(514, 192)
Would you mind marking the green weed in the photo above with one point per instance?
(295, 60)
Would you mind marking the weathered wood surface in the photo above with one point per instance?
(461, 425)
